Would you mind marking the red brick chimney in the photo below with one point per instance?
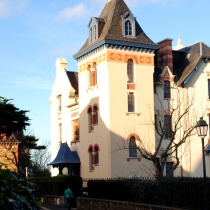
(165, 57)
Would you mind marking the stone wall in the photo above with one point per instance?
(96, 204)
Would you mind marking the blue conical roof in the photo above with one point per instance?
(65, 156)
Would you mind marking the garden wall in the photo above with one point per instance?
(97, 204)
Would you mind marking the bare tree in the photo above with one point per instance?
(174, 124)
(40, 159)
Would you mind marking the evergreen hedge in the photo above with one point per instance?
(173, 192)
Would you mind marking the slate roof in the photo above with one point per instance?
(73, 79)
(186, 60)
(65, 156)
(112, 30)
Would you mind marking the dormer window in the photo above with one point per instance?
(95, 28)
(129, 25)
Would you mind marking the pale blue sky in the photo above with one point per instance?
(33, 33)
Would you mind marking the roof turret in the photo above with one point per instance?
(111, 30)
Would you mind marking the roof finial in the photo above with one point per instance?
(179, 44)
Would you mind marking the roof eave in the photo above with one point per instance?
(184, 82)
(114, 42)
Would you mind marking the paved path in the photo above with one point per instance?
(54, 207)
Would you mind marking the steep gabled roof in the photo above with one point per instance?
(186, 60)
(65, 156)
(112, 30)
(73, 79)
(11, 139)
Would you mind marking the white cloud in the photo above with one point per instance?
(9, 7)
(33, 82)
(71, 13)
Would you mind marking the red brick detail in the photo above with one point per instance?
(134, 135)
(131, 86)
(165, 56)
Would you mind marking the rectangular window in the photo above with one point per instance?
(90, 118)
(60, 133)
(209, 124)
(131, 102)
(209, 88)
(130, 72)
(167, 89)
(59, 103)
(76, 130)
(169, 169)
(167, 126)
(156, 121)
(132, 147)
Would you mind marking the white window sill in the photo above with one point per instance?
(133, 113)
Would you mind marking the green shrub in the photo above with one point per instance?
(17, 193)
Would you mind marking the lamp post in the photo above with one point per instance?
(202, 128)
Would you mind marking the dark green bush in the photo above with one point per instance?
(16, 192)
(173, 192)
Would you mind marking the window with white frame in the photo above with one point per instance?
(130, 72)
(60, 133)
(91, 35)
(208, 88)
(167, 89)
(128, 28)
(167, 126)
(131, 102)
(59, 103)
(129, 25)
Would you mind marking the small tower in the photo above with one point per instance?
(115, 66)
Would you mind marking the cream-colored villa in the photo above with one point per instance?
(130, 100)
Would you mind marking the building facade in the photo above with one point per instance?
(107, 112)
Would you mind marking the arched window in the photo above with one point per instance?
(89, 76)
(95, 115)
(94, 74)
(96, 155)
(90, 127)
(132, 147)
(130, 73)
(128, 28)
(91, 163)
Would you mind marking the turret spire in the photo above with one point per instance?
(179, 44)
